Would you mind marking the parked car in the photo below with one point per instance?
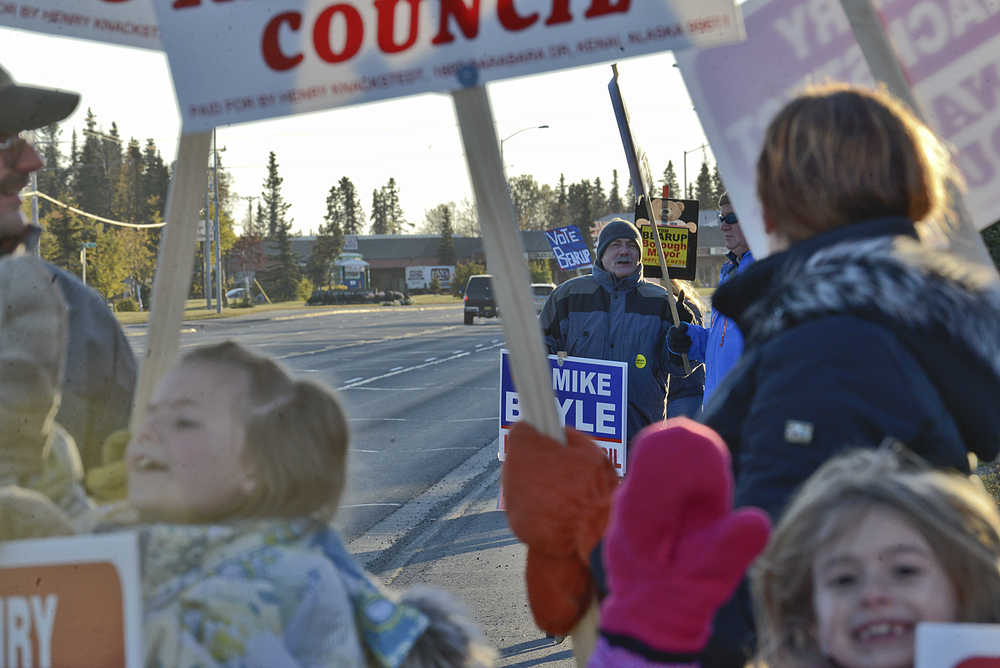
(541, 292)
(479, 299)
(239, 294)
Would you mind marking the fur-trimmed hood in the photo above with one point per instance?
(946, 313)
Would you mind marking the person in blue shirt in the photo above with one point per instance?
(720, 344)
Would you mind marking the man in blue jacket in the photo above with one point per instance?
(614, 314)
(721, 343)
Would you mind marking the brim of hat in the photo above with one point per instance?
(30, 108)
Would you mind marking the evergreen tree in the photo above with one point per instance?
(63, 237)
(282, 278)
(379, 218)
(259, 224)
(329, 240)
(90, 178)
(155, 183)
(354, 215)
(598, 200)
(704, 191)
(579, 199)
(275, 206)
(630, 197)
(718, 187)
(395, 220)
(559, 212)
(670, 181)
(615, 204)
(52, 179)
(129, 200)
(446, 249)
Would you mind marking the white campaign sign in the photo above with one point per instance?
(957, 646)
(241, 61)
(950, 50)
(127, 22)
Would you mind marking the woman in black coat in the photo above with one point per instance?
(856, 332)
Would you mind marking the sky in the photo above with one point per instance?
(412, 139)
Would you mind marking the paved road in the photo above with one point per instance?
(420, 506)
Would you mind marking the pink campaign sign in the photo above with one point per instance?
(950, 50)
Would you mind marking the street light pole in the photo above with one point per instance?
(685, 186)
(533, 127)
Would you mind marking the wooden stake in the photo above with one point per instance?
(505, 257)
(173, 268)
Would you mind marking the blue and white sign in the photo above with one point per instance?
(569, 247)
(591, 397)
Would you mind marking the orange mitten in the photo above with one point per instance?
(558, 500)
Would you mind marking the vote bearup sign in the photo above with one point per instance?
(678, 228)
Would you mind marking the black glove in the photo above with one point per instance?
(678, 340)
(684, 312)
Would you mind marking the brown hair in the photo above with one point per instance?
(956, 517)
(839, 154)
(296, 436)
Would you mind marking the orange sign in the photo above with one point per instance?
(64, 604)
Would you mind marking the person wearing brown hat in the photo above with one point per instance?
(100, 367)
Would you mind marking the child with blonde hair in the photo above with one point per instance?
(873, 544)
(242, 468)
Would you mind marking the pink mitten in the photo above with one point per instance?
(675, 548)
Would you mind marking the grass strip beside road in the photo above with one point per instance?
(195, 308)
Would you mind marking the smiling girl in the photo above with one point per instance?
(874, 544)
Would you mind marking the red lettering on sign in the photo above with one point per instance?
(387, 25)
(560, 13)
(466, 17)
(269, 46)
(602, 7)
(355, 33)
(510, 19)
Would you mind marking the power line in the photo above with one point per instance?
(99, 219)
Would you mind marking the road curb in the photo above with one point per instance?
(383, 541)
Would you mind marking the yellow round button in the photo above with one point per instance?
(640, 361)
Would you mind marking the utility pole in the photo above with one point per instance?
(83, 258)
(206, 246)
(249, 234)
(685, 186)
(218, 252)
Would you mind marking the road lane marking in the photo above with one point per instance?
(360, 342)
(373, 419)
(395, 368)
(301, 316)
(354, 379)
(436, 449)
(370, 505)
(396, 373)
(474, 419)
(430, 359)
